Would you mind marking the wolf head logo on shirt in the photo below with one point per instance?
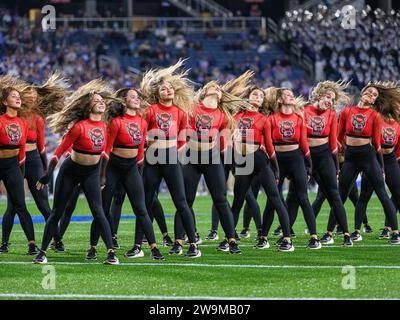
(14, 133)
(245, 125)
(203, 124)
(389, 135)
(286, 129)
(164, 121)
(317, 124)
(135, 133)
(358, 122)
(97, 137)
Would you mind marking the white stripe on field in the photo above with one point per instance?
(103, 296)
(208, 265)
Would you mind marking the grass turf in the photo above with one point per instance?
(253, 274)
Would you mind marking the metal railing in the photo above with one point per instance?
(197, 7)
(193, 25)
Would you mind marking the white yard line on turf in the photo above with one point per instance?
(102, 296)
(207, 265)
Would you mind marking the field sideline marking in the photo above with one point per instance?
(101, 296)
(207, 265)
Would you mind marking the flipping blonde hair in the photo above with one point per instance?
(338, 87)
(78, 105)
(184, 92)
(273, 94)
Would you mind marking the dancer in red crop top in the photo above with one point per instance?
(124, 152)
(209, 134)
(389, 140)
(13, 133)
(287, 135)
(41, 101)
(166, 132)
(87, 137)
(251, 133)
(360, 126)
(322, 122)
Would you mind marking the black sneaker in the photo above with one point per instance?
(327, 239)
(279, 241)
(234, 248)
(198, 239)
(259, 234)
(356, 236)
(33, 249)
(314, 244)
(339, 230)
(176, 249)
(156, 254)
(167, 241)
(4, 247)
(395, 239)
(40, 258)
(135, 252)
(367, 228)
(286, 246)
(244, 234)
(115, 243)
(262, 244)
(277, 231)
(212, 236)
(223, 246)
(347, 241)
(91, 254)
(111, 258)
(193, 252)
(385, 234)
(58, 246)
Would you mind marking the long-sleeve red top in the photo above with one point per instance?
(166, 123)
(322, 124)
(206, 124)
(127, 132)
(360, 123)
(86, 136)
(36, 130)
(286, 129)
(390, 137)
(13, 133)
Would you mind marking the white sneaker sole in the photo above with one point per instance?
(176, 254)
(40, 262)
(111, 263)
(328, 242)
(140, 255)
(357, 240)
(394, 243)
(194, 257)
(264, 248)
(290, 250)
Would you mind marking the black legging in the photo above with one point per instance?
(70, 175)
(214, 176)
(291, 165)
(363, 159)
(392, 172)
(250, 208)
(126, 171)
(167, 167)
(69, 210)
(320, 198)
(262, 168)
(33, 172)
(214, 212)
(11, 175)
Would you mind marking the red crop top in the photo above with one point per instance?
(360, 123)
(390, 136)
(253, 129)
(286, 129)
(13, 132)
(86, 136)
(166, 123)
(206, 123)
(36, 128)
(322, 124)
(128, 132)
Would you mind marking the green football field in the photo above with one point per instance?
(371, 269)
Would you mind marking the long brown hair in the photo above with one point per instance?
(117, 108)
(78, 105)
